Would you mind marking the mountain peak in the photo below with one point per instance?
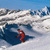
(46, 7)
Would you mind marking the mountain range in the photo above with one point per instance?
(35, 24)
(42, 12)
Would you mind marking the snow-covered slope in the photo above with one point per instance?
(3, 43)
(33, 25)
(42, 43)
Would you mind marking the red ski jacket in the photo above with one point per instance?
(21, 33)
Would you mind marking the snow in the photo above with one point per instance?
(35, 44)
(45, 9)
(42, 12)
(46, 22)
(0, 48)
(36, 28)
(4, 44)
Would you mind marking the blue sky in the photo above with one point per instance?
(24, 4)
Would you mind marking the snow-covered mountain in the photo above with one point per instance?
(4, 11)
(29, 21)
(44, 11)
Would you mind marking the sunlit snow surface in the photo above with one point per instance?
(36, 28)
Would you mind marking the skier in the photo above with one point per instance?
(22, 34)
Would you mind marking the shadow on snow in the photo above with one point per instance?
(10, 36)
